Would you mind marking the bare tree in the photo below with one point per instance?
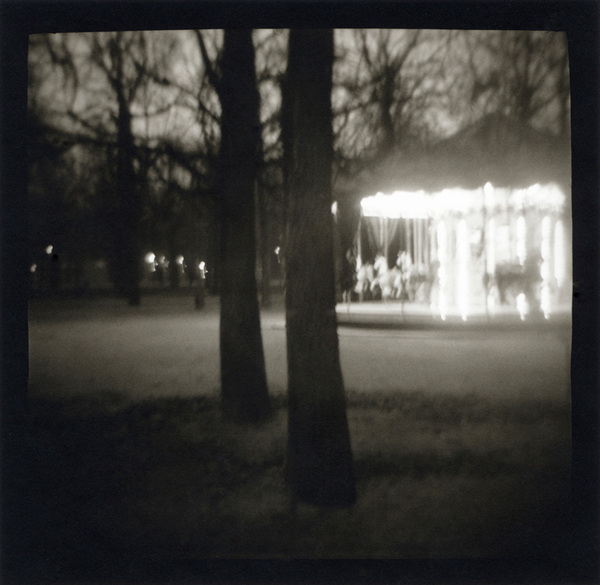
(386, 85)
(271, 52)
(319, 466)
(520, 74)
(100, 88)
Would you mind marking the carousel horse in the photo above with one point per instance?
(387, 283)
(364, 277)
(511, 281)
(420, 281)
(405, 270)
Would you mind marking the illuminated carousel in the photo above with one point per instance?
(490, 231)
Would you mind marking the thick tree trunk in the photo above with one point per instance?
(129, 270)
(243, 377)
(319, 466)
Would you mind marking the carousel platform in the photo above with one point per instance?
(395, 314)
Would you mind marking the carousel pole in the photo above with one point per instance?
(486, 277)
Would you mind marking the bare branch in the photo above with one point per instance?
(210, 70)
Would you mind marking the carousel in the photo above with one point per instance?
(478, 246)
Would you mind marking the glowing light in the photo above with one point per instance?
(463, 269)
(546, 268)
(546, 198)
(521, 240)
(522, 306)
(546, 300)
(559, 253)
(491, 302)
(202, 265)
(491, 246)
(179, 260)
(419, 204)
(501, 242)
(457, 200)
(400, 204)
(49, 249)
(150, 258)
(554, 200)
(546, 248)
(488, 191)
(33, 268)
(334, 208)
(442, 273)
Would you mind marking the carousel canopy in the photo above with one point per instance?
(496, 150)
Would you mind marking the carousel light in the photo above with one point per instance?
(179, 260)
(150, 258)
(547, 197)
(491, 246)
(546, 248)
(545, 271)
(442, 275)
(491, 303)
(463, 269)
(522, 306)
(521, 240)
(456, 200)
(555, 198)
(518, 199)
(49, 249)
(33, 268)
(488, 191)
(399, 204)
(535, 193)
(559, 253)
(546, 300)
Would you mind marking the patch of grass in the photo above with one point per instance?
(440, 476)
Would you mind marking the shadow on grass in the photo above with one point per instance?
(109, 488)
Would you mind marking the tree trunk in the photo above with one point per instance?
(264, 248)
(129, 270)
(243, 377)
(319, 466)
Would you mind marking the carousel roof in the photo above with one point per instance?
(496, 150)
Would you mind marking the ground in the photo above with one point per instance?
(460, 436)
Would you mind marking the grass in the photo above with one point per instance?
(113, 484)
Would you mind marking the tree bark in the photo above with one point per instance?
(130, 207)
(319, 466)
(243, 377)
(264, 248)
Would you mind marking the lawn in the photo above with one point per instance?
(115, 482)
(167, 479)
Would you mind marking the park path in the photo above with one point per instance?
(165, 348)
